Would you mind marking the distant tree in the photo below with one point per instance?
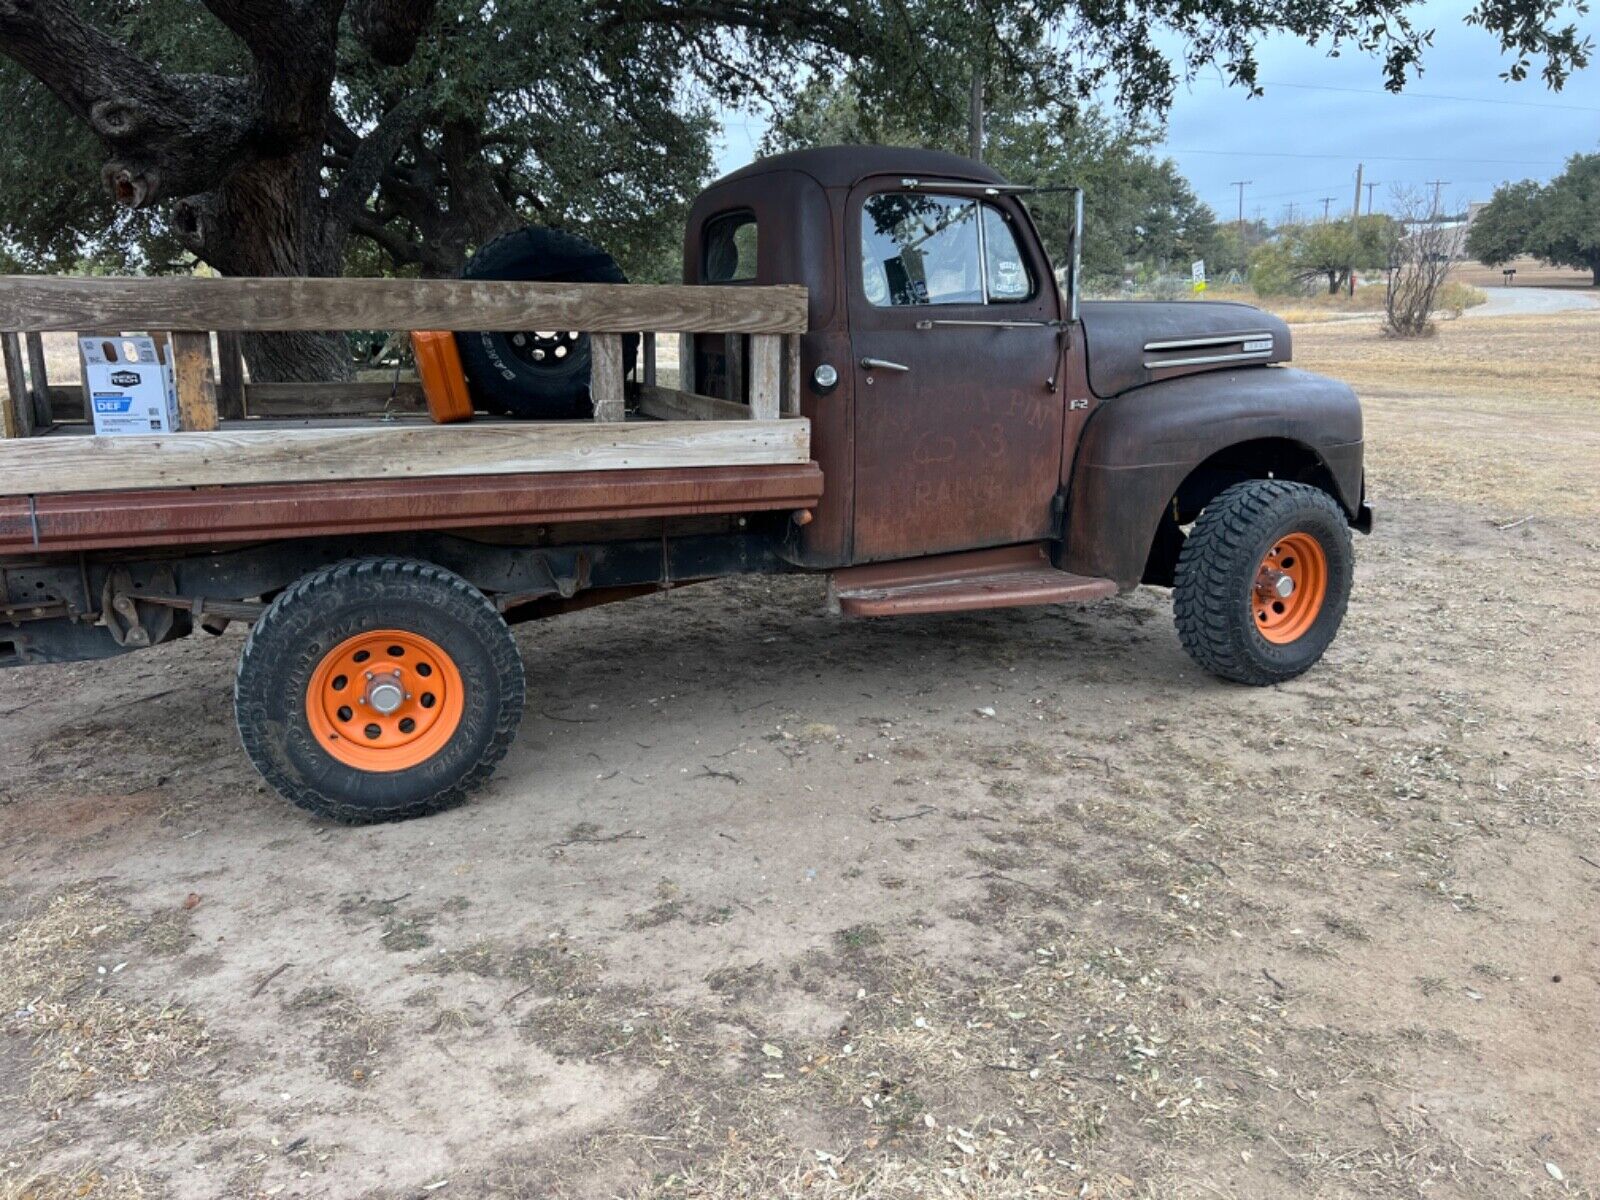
(1557, 223)
(1326, 249)
(1322, 253)
(1569, 235)
(1503, 228)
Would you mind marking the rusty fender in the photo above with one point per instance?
(1138, 448)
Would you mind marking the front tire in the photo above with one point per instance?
(1263, 581)
(378, 690)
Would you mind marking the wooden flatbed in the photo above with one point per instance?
(227, 477)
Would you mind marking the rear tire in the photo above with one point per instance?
(313, 713)
(1255, 538)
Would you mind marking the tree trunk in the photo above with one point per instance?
(263, 220)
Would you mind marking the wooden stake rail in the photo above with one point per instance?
(760, 324)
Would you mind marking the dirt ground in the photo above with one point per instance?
(764, 904)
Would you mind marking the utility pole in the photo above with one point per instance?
(975, 118)
(1437, 185)
(1241, 184)
(1355, 222)
(1291, 213)
(1369, 185)
(1326, 201)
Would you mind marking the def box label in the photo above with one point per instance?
(130, 384)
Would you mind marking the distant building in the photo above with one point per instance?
(1455, 229)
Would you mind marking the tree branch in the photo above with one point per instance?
(401, 249)
(369, 161)
(390, 29)
(165, 134)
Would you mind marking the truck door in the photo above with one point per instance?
(958, 431)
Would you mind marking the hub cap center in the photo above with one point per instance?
(385, 693)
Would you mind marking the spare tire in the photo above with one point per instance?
(538, 374)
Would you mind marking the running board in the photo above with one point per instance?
(1010, 577)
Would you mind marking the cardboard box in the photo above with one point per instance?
(130, 383)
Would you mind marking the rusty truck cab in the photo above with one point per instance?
(960, 401)
(929, 444)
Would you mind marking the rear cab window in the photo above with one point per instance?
(730, 248)
(926, 249)
(728, 256)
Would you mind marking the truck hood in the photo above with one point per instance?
(1135, 342)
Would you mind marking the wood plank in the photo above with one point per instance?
(650, 359)
(230, 375)
(43, 304)
(669, 404)
(197, 387)
(686, 362)
(38, 378)
(766, 375)
(733, 366)
(791, 375)
(605, 377)
(333, 399)
(19, 419)
(271, 454)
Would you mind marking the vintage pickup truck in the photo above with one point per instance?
(958, 431)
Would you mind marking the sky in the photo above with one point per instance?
(1320, 116)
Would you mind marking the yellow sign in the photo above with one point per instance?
(1199, 286)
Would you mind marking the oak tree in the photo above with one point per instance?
(301, 137)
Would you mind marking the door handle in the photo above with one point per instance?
(882, 364)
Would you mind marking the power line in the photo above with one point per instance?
(1324, 87)
(1503, 162)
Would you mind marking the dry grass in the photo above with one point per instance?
(88, 1183)
(1502, 411)
(57, 964)
(1530, 273)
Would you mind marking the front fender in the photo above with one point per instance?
(1138, 448)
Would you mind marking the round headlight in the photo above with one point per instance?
(825, 378)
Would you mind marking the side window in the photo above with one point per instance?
(730, 248)
(923, 249)
(919, 249)
(1008, 270)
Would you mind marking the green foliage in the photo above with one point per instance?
(596, 115)
(1324, 252)
(1503, 228)
(1558, 223)
(1569, 229)
(1272, 270)
(580, 127)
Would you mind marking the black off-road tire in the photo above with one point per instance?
(324, 610)
(504, 374)
(1213, 596)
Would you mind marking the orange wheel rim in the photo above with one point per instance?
(385, 700)
(1290, 587)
